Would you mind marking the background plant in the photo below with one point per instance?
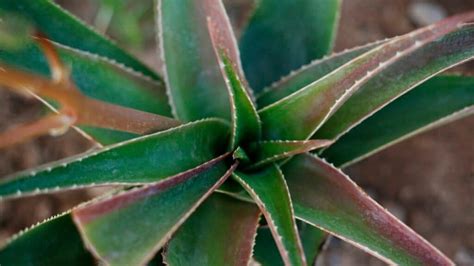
(373, 70)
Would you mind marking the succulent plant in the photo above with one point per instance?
(210, 169)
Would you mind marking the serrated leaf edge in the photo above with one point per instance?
(465, 112)
(103, 37)
(313, 144)
(173, 229)
(268, 217)
(78, 158)
(360, 246)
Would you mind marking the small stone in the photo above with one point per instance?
(464, 257)
(425, 13)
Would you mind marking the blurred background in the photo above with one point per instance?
(427, 181)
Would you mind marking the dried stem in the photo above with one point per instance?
(75, 106)
(51, 124)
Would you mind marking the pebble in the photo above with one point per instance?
(464, 257)
(424, 13)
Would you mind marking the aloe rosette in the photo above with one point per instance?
(212, 169)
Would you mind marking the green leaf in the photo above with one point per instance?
(324, 197)
(266, 251)
(108, 136)
(398, 78)
(129, 228)
(439, 100)
(142, 160)
(268, 188)
(246, 124)
(283, 35)
(194, 81)
(433, 49)
(267, 152)
(96, 77)
(39, 245)
(309, 74)
(64, 28)
(220, 232)
(313, 240)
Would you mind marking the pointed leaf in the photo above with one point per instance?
(39, 245)
(245, 121)
(220, 219)
(400, 77)
(96, 77)
(142, 160)
(325, 197)
(129, 228)
(313, 240)
(58, 25)
(195, 84)
(268, 188)
(299, 115)
(267, 152)
(108, 136)
(310, 73)
(438, 101)
(266, 252)
(283, 35)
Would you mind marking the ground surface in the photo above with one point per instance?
(428, 180)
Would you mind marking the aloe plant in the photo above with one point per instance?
(210, 169)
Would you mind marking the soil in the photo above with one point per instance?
(427, 180)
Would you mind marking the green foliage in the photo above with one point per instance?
(174, 200)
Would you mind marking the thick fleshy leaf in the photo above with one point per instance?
(435, 48)
(246, 124)
(96, 77)
(313, 240)
(142, 160)
(39, 245)
(194, 81)
(438, 101)
(310, 73)
(108, 136)
(220, 232)
(266, 252)
(398, 78)
(268, 188)
(283, 35)
(129, 228)
(267, 152)
(324, 197)
(58, 25)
